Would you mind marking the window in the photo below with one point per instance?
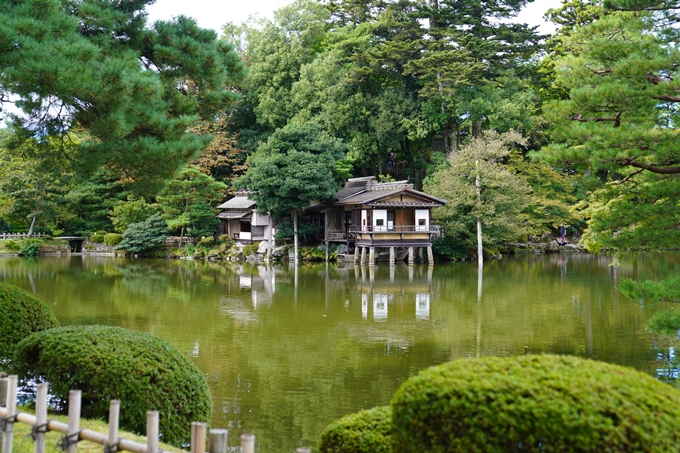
(258, 230)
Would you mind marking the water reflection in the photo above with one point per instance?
(288, 349)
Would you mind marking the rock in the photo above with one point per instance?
(262, 247)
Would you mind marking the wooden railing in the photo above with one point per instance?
(72, 434)
(431, 229)
(21, 235)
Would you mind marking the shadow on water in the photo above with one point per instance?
(288, 349)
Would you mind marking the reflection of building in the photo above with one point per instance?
(406, 295)
(240, 220)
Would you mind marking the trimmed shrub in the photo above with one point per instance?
(20, 315)
(112, 239)
(142, 371)
(98, 238)
(535, 403)
(364, 432)
(30, 247)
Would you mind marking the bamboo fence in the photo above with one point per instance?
(72, 434)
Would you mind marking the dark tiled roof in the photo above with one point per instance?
(238, 202)
(373, 196)
(234, 214)
(404, 204)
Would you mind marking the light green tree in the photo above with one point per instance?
(485, 200)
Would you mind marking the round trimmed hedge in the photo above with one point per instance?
(20, 315)
(535, 403)
(142, 371)
(364, 432)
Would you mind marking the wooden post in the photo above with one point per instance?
(356, 254)
(218, 440)
(430, 256)
(371, 256)
(40, 418)
(3, 394)
(11, 406)
(114, 416)
(363, 255)
(152, 432)
(247, 443)
(198, 437)
(74, 399)
(410, 255)
(303, 450)
(392, 258)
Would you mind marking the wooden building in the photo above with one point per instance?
(380, 219)
(240, 220)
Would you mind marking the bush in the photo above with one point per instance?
(665, 323)
(142, 371)
(316, 254)
(98, 238)
(12, 245)
(144, 236)
(364, 432)
(20, 315)
(251, 249)
(112, 239)
(29, 247)
(534, 403)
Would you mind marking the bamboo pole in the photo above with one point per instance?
(152, 431)
(40, 418)
(114, 418)
(10, 408)
(247, 443)
(72, 436)
(218, 440)
(303, 450)
(3, 397)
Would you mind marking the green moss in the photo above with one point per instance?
(364, 432)
(20, 315)
(142, 371)
(535, 404)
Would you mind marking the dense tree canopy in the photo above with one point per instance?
(96, 68)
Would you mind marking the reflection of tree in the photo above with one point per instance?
(286, 369)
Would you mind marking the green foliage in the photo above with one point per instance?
(450, 248)
(534, 403)
(142, 371)
(666, 322)
(98, 238)
(305, 229)
(134, 88)
(187, 198)
(316, 254)
(132, 211)
(144, 237)
(13, 245)
(4, 226)
(30, 247)
(112, 239)
(367, 431)
(250, 249)
(651, 291)
(20, 315)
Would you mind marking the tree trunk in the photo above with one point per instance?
(35, 214)
(450, 138)
(295, 234)
(478, 185)
(30, 229)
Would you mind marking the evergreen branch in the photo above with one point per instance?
(652, 168)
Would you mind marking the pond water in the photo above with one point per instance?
(288, 350)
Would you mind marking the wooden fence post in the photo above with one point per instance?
(218, 440)
(73, 431)
(198, 437)
(3, 396)
(11, 406)
(303, 450)
(152, 432)
(114, 416)
(247, 443)
(40, 427)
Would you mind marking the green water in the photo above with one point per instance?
(287, 351)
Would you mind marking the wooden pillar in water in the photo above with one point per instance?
(430, 256)
(420, 255)
(356, 254)
(371, 256)
(363, 255)
(410, 255)
(391, 256)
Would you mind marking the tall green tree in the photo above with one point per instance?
(181, 194)
(485, 200)
(619, 122)
(293, 168)
(132, 90)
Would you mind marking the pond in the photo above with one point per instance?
(287, 350)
